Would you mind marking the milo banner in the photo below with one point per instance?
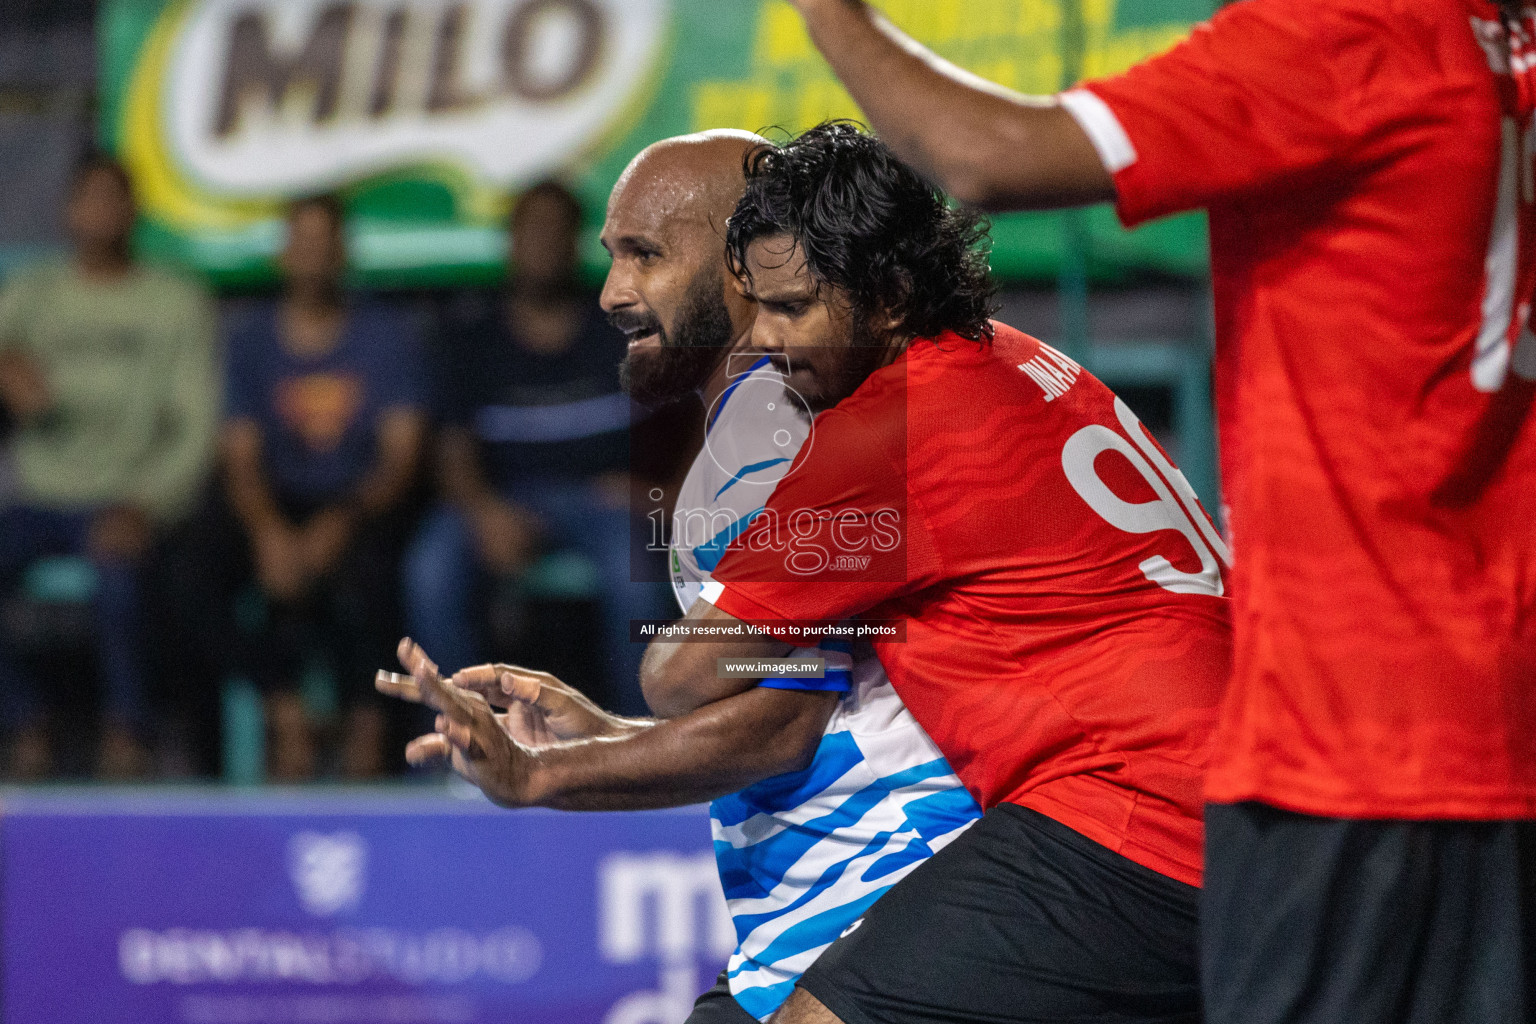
(429, 114)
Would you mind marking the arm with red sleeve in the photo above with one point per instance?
(847, 496)
(1264, 91)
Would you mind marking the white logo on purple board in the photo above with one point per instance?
(328, 871)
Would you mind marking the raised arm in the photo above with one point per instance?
(983, 144)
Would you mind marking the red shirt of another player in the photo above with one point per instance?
(1368, 171)
(1067, 641)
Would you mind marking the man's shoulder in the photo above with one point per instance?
(1318, 12)
(1342, 25)
(943, 395)
(949, 377)
(935, 365)
(1010, 395)
(754, 407)
(752, 442)
(898, 404)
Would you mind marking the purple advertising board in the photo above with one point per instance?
(363, 908)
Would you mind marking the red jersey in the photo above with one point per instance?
(1066, 634)
(1368, 171)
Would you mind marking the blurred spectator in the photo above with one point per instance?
(108, 372)
(321, 449)
(533, 448)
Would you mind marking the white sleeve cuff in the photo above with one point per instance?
(1101, 126)
(711, 591)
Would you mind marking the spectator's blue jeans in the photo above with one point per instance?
(28, 534)
(443, 564)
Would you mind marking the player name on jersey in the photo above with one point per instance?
(1053, 371)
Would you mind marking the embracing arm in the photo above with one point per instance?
(719, 749)
(985, 145)
(679, 677)
(520, 760)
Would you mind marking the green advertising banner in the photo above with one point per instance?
(428, 115)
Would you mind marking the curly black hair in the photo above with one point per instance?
(871, 226)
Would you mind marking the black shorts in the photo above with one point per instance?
(718, 1006)
(1311, 920)
(1020, 919)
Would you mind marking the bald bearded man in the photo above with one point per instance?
(826, 791)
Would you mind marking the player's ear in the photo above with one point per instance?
(737, 272)
(892, 316)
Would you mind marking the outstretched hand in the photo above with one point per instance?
(470, 736)
(541, 709)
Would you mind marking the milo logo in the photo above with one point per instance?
(273, 96)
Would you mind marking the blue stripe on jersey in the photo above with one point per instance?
(746, 923)
(726, 397)
(935, 769)
(746, 471)
(773, 857)
(836, 680)
(932, 816)
(819, 929)
(709, 553)
(835, 756)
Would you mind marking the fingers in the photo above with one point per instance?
(414, 658)
(481, 679)
(460, 734)
(427, 750)
(476, 677)
(525, 689)
(538, 689)
(393, 684)
(435, 693)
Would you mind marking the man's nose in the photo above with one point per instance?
(764, 337)
(618, 292)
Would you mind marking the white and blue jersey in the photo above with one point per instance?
(803, 855)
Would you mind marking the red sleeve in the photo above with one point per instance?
(841, 534)
(1260, 94)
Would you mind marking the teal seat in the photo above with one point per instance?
(562, 576)
(244, 754)
(245, 724)
(61, 579)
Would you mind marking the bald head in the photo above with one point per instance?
(668, 288)
(691, 181)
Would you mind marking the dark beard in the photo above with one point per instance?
(865, 354)
(688, 355)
